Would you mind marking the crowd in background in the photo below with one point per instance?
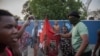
(50, 40)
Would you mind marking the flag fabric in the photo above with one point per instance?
(47, 30)
(52, 40)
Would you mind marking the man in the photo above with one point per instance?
(35, 38)
(8, 33)
(79, 35)
(97, 45)
(56, 26)
(23, 36)
(20, 35)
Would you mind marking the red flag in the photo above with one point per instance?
(48, 31)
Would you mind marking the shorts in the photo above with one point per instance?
(33, 42)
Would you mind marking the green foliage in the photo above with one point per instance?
(55, 9)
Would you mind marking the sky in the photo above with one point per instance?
(94, 5)
(15, 6)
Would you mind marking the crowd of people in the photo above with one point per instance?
(14, 40)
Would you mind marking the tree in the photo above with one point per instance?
(85, 7)
(55, 9)
(26, 10)
(96, 13)
(75, 5)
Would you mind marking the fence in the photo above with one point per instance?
(93, 27)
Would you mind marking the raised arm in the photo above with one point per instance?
(20, 32)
